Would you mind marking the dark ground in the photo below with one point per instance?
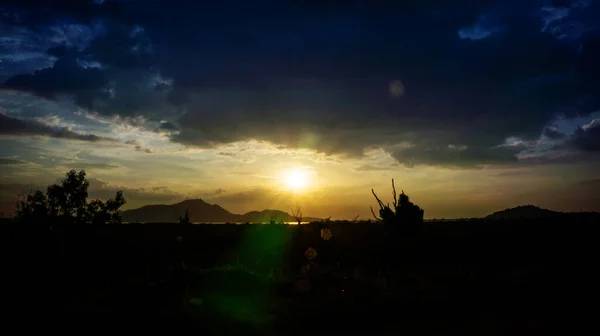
(478, 277)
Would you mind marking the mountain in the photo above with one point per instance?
(523, 211)
(201, 211)
(198, 210)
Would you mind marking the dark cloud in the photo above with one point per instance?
(123, 46)
(457, 156)
(9, 161)
(94, 59)
(459, 94)
(89, 165)
(563, 154)
(14, 126)
(554, 134)
(166, 126)
(65, 77)
(133, 94)
(36, 12)
(63, 51)
(587, 138)
(318, 76)
(139, 148)
(371, 167)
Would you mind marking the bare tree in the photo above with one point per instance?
(297, 213)
(355, 219)
(273, 218)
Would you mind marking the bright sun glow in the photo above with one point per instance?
(296, 179)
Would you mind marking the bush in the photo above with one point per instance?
(185, 219)
(403, 213)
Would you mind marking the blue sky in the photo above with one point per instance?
(473, 108)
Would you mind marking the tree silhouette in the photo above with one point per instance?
(297, 214)
(185, 219)
(67, 202)
(403, 212)
(33, 208)
(101, 213)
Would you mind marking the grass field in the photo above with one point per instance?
(480, 277)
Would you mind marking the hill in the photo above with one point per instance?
(277, 215)
(523, 211)
(200, 211)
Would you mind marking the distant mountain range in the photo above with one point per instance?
(523, 211)
(203, 212)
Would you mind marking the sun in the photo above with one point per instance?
(296, 179)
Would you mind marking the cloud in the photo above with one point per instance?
(250, 199)
(89, 165)
(476, 32)
(14, 126)
(554, 134)
(135, 197)
(371, 167)
(458, 156)
(218, 191)
(166, 126)
(98, 62)
(123, 46)
(572, 21)
(139, 148)
(587, 137)
(560, 155)
(65, 77)
(226, 154)
(325, 86)
(9, 161)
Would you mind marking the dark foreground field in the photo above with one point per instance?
(477, 277)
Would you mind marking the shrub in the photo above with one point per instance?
(403, 213)
(185, 219)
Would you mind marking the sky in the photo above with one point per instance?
(471, 108)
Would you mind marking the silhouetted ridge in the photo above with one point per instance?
(197, 208)
(200, 211)
(268, 215)
(523, 211)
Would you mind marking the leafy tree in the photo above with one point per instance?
(403, 212)
(33, 207)
(67, 202)
(101, 213)
(97, 212)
